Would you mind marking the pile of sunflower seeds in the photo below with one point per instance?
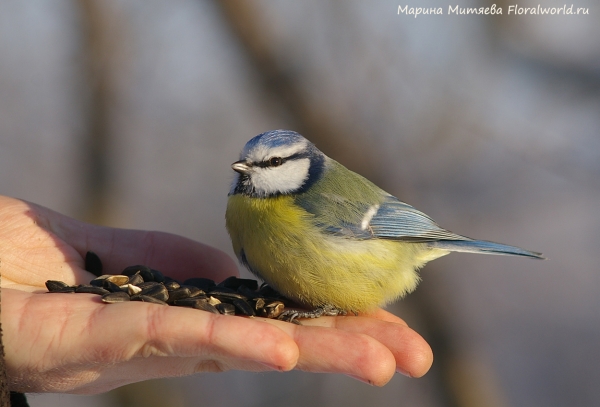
(232, 296)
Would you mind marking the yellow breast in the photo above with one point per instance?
(282, 245)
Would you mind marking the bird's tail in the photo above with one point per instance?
(483, 246)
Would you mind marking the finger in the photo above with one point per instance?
(412, 353)
(329, 350)
(384, 316)
(71, 346)
(174, 255)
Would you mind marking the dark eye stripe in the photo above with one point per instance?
(280, 160)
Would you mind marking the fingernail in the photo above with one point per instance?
(362, 380)
(403, 372)
(273, 367)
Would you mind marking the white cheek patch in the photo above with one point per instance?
(288, 177)
(262, 153)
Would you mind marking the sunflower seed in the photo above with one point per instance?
(197, 304)
(226, 309)
(188, 302)
(266, 291)
(148, 284)
(248, 293)
(93, 263)
(55, 285)
(172, 285)
(136, 279)
(194, 291)
(204, 284)
(147, 298)
(99, 281)
(144, 271)
(118, 279)
(69, 289)
(157, 275)
(158, 291)
(112, 287)
(178, 294)
(235, 283)
(133, 289)
(205, 306)
(226, 294)
(272, 310)
(213, 301)
(243, 307)
(259, 304)
(91, 289)
(112, 298)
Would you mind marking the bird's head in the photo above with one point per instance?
(277, 162)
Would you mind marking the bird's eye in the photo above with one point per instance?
(275, 161)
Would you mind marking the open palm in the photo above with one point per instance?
(75, 343)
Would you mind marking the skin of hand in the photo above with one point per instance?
(74, 343)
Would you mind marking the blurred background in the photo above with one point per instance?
(128, 113)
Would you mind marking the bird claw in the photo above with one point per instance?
(293, 315)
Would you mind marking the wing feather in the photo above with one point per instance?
(399, 221)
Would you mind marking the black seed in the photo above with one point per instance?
(158, 291)
(112, 287)
(69, 289)
(235, 283)
(99, 281)
(243, 307)
(157, 275)
(55, 285)
(136, 279)
(172, 285)
(202, 297)
(204, 284)
(205, 306)
(194, 291)
(169, 279)
(118, 279)
(178, 294)
(220, 289)
(188, 302)
(247, 292)
(144, 271)
(213, 300)
(147, 284)
(133, 289)
(259, 303)
(197, 304)
(90, 289)
(272, 310)
(266, 291)
(112, 298)
(226, 294)
(226, 309)
(147, 298)
(93, 263)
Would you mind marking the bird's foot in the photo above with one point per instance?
(292, 315)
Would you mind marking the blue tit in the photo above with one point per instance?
(324, 236)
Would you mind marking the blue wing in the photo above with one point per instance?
(399, 221)
(395, 220)
(347, 205)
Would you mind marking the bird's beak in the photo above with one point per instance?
(242, 167)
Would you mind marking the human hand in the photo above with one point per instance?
(75, 343)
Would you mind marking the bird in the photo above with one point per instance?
(326, 237)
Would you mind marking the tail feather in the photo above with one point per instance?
(485, 247)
